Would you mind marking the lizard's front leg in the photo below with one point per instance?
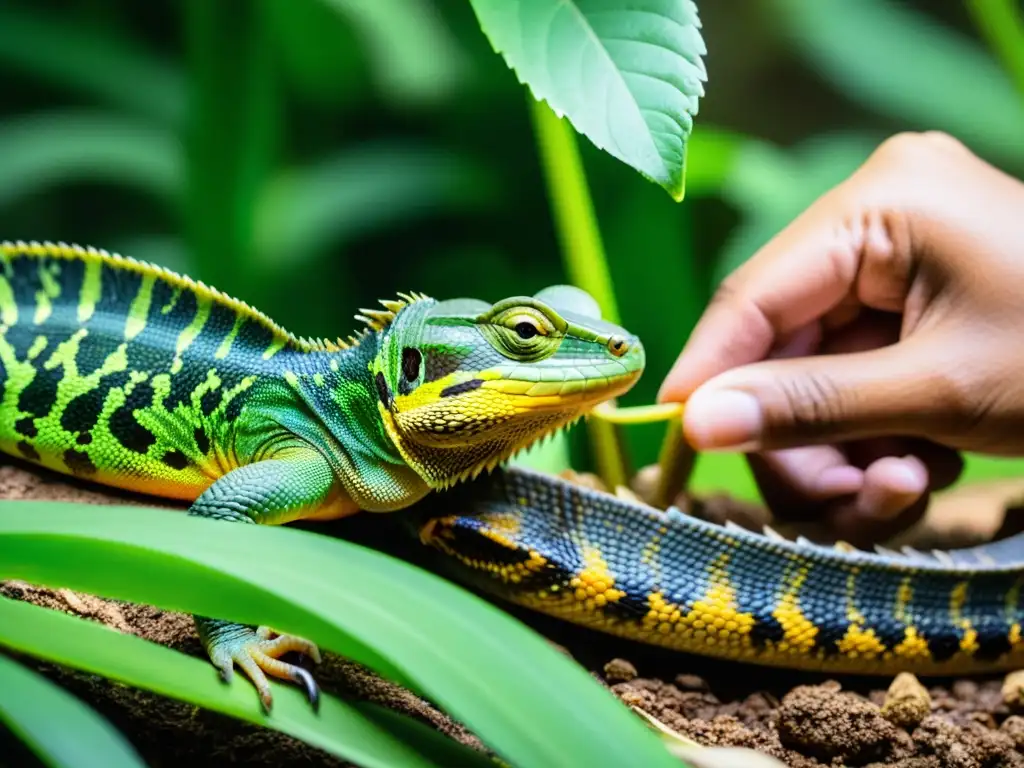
(294, 484)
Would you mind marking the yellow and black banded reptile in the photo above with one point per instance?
(673, 580)
(127, 374)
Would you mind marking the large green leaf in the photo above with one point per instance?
(89, 58)
(45, 150)
(61, 730)
(628, 75)
(505, 682)
(900, 62)
(361, 732)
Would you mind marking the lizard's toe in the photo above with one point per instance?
(257, 655)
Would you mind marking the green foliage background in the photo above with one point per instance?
(311, 156)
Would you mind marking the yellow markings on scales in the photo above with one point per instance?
(8, 306)
(913, 645)
(91, 289)
(225, 346)
(594, 586)
(957, 600)
(799, 633)
(187, 336)
(139, 309)
(858, 642)
(49, 289)
(714, 619)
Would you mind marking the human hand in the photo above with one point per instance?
(877, 335)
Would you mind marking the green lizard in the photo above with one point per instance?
(129, 375)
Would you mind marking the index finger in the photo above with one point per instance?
(800, 275)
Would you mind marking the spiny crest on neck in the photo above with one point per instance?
(375, 320)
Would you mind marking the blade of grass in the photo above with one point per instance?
(235, 114)
(1001, 23)
(83, 56)
(53, 148)
(583, 255)
(524, 699)
(62, 731)
(348, 730)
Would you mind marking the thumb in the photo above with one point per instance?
(902, 389)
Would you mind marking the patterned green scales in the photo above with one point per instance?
(127, 374)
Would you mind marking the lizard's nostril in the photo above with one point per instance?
(618, 346)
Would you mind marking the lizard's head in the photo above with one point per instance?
(463, 384)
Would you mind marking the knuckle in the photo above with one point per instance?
(726, 293)
(918, 147)
(813, 405)
(956, 392)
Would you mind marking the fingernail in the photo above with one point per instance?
(725, 419)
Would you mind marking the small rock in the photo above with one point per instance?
(586, 479)
(619, 671)
(1013, 690)
(907, 702)
(1013, 726)
(691, 683)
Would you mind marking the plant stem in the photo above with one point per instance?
(232, 133)
(573, 209)
(582, 253)
(1001, 23)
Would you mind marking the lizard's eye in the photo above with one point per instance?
(522, 333)
(526, 329)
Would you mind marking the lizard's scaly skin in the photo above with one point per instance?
(127, 374)
(675, 581)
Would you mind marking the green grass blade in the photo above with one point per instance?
(46, 150)
(1001, 23)
(626, 77)
(505, 682)
(91, 59)
(354, 732)
(62, 731)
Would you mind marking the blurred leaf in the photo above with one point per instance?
(166, 250)
(902, 63)
(236, 129)
(413, 56)
(365, 189)
(62, 731)
(68, 51)
(772, 187)
(1001, 23)
(533, 706)
(627, 75)
(318, 50)
(354, 731)
(53, 148)
(711, 154)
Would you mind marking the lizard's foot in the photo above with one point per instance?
(257, 654)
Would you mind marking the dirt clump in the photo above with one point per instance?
(907, 702)
(826, 723)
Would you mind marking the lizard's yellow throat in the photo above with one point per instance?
(456, 427)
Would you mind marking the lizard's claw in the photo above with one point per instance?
(257, 654)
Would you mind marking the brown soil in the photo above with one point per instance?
(801, 719)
